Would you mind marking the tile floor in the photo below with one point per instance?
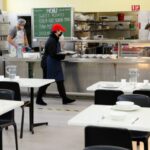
(57, 135)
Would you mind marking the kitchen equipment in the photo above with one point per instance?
(132, 26)
(119, 26)
(120, 16)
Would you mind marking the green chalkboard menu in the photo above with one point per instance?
(44, 18)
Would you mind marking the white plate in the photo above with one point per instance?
(131, 108)
(71, 53)
(66, 53)
(109, 86)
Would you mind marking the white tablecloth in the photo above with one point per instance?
(100, 115)
(7, 105)
(125, 87)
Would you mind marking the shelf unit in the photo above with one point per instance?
(4, 29)
(92, 21)
(104, 30)
(109, 28)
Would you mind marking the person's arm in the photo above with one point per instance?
(26, 41)
(11, 41)
(51, 49)
(11, 36)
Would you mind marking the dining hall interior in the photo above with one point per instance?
(74, 75)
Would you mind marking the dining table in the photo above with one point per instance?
(31, 83)
(132, 117)
(126, 87)
(6, 106)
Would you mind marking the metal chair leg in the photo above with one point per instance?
(1, 139)
(22, 123)
(145, 144)
(16, 139)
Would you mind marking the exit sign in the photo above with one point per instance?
(135, 7)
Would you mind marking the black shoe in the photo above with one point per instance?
(41, 102)
(68, 100)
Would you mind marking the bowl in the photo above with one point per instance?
(84, 38)
(124, 104)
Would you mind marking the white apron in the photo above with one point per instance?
(19, 40)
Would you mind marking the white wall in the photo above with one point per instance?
(25, 6)
(1, 4)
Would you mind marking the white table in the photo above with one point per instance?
(99, 115)
(6, 106)
(31, 83)
(125, 87)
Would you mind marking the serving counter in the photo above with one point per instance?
(84, 72)
(81, 72)
(84, 69)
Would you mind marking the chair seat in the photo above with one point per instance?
(6, 122)
(143, 101)
(102, 136)
(138, 135)
(14, 86)
(105, 148)
(106, 97)
(7, 119)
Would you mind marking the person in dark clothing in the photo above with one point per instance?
(51, 65)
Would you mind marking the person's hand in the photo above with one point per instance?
(16, 47)
(28, 49)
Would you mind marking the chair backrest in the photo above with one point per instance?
(107, 136)
(7, 95)
(106, 97)
(14, 86)
(143, 92)
(138, 99)
(105, 147)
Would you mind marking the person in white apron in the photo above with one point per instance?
(17, 38)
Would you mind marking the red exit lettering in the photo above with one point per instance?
(135, 7)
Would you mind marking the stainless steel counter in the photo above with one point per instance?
(84, 71)
(81, 72)
(107, 60)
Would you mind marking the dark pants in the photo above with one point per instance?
(60, 87)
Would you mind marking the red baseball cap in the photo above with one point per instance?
(57, 27)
